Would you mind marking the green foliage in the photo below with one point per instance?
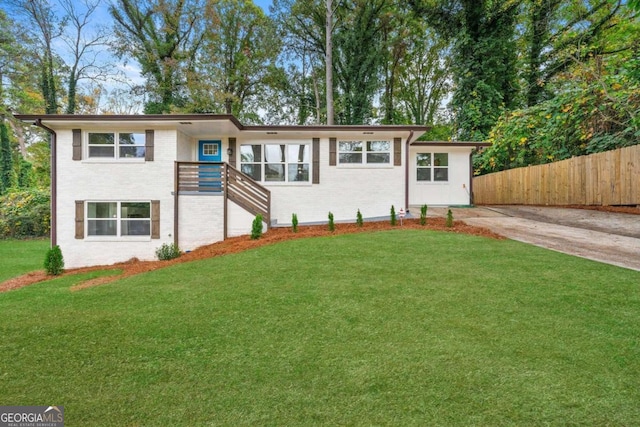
(6, 160)
(597, 112)
(331, 224)
(294, 223)
(484, 59)
(256, 227)
(54, 262)
(355, 341)
(423, 215)
(359, 219)
(25, 213)
(394, 219)
(449, 221)
(168, 251)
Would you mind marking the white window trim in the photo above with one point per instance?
(116, 147)
(263, 164)
(118, 237)
(432, 168)
(364, 164)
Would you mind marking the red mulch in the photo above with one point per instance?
(239, 244)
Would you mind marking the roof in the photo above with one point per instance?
(195, 123)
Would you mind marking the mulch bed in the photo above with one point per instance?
(239, 244)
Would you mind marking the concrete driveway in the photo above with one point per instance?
(613, 238)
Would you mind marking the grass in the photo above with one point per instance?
(404, 327)
(21, 256)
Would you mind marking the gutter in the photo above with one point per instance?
(406, 172)
(54, 181)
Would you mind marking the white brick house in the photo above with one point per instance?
(124, 185)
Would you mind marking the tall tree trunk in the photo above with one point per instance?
(329, 62)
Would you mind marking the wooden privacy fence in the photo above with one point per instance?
(609, 178)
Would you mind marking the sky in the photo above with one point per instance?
(129, 67)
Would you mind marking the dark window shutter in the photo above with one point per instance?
(155, 219)
(397, 151)
(79, 219)
(315, 154)
(232, 146)
(332, 151)
(77, 144)
(148, 145)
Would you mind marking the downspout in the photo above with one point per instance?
(54, 181)
(471, 177)
(406, 173)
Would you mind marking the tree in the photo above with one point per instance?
(45, 27)
(236, 62)
(359, 54)
(484, 58)
(559, 33)
(329, 25)
(164, 37)
(425, 78)
(83, 64)
(6, 160)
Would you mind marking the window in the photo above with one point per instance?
(364, 152)
(280, 162)
(121, 145)
(210, 149)
(119, 218)
(432, 167)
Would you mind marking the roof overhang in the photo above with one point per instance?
(204, 124)
(476, 144)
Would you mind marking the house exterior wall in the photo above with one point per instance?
(453, 192)
(342, 190)
(112, 180)
(201, 220)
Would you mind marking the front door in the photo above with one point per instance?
(210, 175)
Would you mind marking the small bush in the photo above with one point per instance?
(25, 214)
(256, 228)
(332, 225)
(167, 252)
(54, 262)
(423, 215)
(294, 223)
(449, 222)
(394, 220)
(359, 220)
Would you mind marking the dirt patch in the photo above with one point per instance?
(239, 244)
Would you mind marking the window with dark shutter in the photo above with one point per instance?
(77, 144)
(155, 219)
(232, 147)
(79, 219)
(315, 159)
(149, 143)
(397, 151)
(332, 151)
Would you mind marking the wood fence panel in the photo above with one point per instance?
(609, 178)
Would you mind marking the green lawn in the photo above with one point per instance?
(21, 256)
(391, 328)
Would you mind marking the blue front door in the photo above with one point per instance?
(210, 175)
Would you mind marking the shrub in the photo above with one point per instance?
(449, 222)
(167, 252)
(394, 220)
(423, 215)
(359, 220)
(256, 228)
(332, 225)
(294, 223)
(25, 214)
(54, 262)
